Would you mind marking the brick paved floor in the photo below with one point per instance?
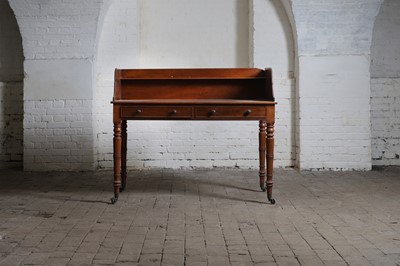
(201, 217)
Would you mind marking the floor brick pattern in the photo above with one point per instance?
(200, 217)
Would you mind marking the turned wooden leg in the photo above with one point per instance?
(117, 161)
(261, 148)
(270, 160)
(124, 139)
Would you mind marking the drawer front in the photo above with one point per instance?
(229, 112)
(166, 112)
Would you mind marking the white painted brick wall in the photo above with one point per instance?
(333, 39)
(334, 27)
(58, 29)
(385, 86)
(57, 135)
(385, 48)
(385, 121)
(59, 48)
(11, 75)
(207, 33)
(182, 144)
(334, 113)
(272, 45)
(118, 48)
(11, 124)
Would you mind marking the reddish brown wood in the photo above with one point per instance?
(268, 83)
(261, 148)
(226, 112)
(200, 73)
(234, 84)
(117, 160)
(158, 111)
(124, 145)
(193, 89)
(270, 160)
(192, 102)
(194, 94)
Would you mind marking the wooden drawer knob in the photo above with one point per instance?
(213, 112)
(247, 112)
(173, 112)
(138, 111)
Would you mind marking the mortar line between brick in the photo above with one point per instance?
(147, 227)
(184, 239)
(166, 227)
(247, 245)
(130, 226)
(340, 255)
(202, 221)
(223, 234)
(258, 228)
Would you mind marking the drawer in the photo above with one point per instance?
(156, 112)
(229, 112)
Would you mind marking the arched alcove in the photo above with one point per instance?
(11, 89)
(58, 48)
(118, 47)
(181, 33)
(273, 45)
(184, 34)
(385, 85)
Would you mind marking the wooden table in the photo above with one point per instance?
(194, 94)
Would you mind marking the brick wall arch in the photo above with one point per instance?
(333, 41)
(385, 85)
(274, 45)
(59, 40)
(11, 76)
(117, 47)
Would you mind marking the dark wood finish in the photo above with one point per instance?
(156, 112)
(194, 94)
(193, 89)
(229, 112)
